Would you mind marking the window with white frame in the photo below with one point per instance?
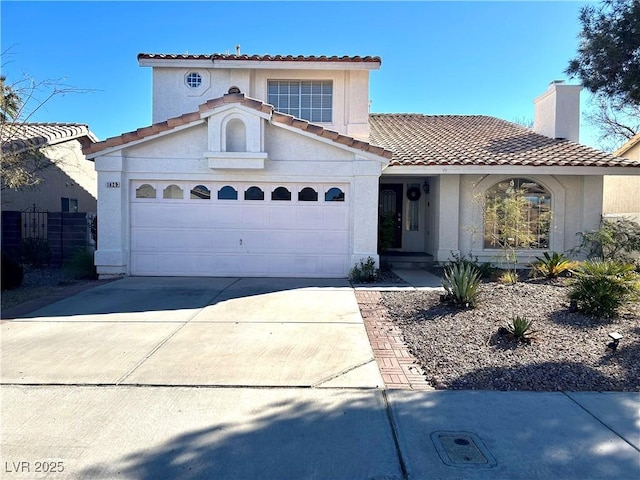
(194, 80)
(517, 213)
(307, 99)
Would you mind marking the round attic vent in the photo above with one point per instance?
(234, 90)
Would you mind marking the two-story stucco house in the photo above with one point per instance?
(272, 166)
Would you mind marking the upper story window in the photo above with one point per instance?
(309, 100)
(517, 214)
(194, 80)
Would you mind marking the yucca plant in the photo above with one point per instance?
(461, 283)
(602, 287)
(521, 328)
(552, 266)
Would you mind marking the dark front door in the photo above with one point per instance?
(390, 212)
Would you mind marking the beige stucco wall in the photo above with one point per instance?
(172, 97)
(576, 203)
(69, 175)
(622, 193)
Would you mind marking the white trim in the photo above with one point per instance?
(426, 170)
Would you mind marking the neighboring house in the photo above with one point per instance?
(68, 178)
(622, 194)
(273, 166)
(49, 221)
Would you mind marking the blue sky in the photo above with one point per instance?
(476, 57)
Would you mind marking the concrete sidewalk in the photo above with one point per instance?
(146, 378)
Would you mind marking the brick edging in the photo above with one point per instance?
(399, 368)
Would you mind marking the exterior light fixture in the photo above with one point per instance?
(616, 337)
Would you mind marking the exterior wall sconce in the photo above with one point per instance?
(616, 337)
(425, 187)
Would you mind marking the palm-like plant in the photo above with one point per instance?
(552, 266)
(10, 102)
(602, 287)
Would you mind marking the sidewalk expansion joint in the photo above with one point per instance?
(172, 334)
(394, 434)
(186, 385)
(343, 372)
(567, 394)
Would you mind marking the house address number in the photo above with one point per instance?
(113, 184)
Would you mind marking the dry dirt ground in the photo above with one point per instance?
(467, 349)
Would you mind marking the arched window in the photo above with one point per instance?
(334, 195)
(281, 193)
(254, 193)
(145, 191)
(227, 193)
(517, 214)
(173, 192)
(307, 194)
(200, 192)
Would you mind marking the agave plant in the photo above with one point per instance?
(521, 328)
(461, 283)
(552, 266)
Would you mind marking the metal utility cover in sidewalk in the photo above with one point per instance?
(462, 449)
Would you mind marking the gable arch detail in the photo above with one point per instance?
(558, 205)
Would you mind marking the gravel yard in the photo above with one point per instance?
(463, 349)
(38, 282)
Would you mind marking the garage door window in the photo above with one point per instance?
(173, 192)
(227, 193)
(200, 192)
(281, 193)
(307, 194)
(334, 195)
(254, 193)
(145, 191)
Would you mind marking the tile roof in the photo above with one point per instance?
(20, 136)
(258, 58)
(241, 99)
(473, 140)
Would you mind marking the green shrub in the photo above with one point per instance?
(80, 265)
(486, 269)
(12, 273)
(552, 266)
(386, 232)
(615, 240)
(35, 252)
(521, 328)
(461, 283)
(602, 287)
(364, 272)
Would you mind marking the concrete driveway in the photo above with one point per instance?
(268, 379)
(195, 331)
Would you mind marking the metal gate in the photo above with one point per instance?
(35, 244)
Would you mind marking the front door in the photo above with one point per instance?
(390, 216)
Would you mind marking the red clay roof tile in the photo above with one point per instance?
(419, 139)
(239, 98)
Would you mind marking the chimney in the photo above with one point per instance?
(557, 111)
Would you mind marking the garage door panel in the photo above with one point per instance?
(308, 218)
(255, 216)
(335, 218)
(239, 237)
(146, 239)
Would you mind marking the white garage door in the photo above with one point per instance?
(208, 229)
